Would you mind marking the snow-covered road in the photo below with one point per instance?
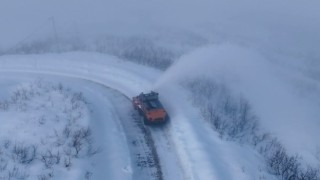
(126, 148)
(187, 147)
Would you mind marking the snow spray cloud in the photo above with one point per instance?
(250, 75)
(226, 62)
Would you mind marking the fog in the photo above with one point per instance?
(287, 27)
(242, 43)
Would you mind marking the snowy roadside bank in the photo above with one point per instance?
(200, 153)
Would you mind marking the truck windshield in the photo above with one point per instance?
(155, 104)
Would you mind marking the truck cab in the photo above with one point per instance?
(149, 106)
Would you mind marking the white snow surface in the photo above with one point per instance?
(199, 152)
(283, 94)
(23, 126)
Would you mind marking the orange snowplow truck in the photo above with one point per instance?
(149, 106)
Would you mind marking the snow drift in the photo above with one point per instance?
(286, 114)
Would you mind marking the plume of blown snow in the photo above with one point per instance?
(247, 73)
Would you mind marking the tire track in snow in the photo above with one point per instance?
(165, 147)
(143, 151)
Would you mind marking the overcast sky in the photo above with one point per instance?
(287, 25)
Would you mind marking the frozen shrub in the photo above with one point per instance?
(87, 175)
(17, 173)
(140, 50)
(3, 164)
(60, 116)
(67, 162)
(233, 119)
(281, 164)
(136, 49)
(309, 173)
(50, 159)
(80, 139)
(43, 177)
(24, 154)
(48, 45)
(4, 105)
(230, 117)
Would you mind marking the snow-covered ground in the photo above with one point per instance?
(283, 94)
(35, 125)
(262, 53)
(187, 147)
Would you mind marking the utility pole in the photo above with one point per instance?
(55, 33)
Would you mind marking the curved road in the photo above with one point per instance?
(187, 148)
(144, 156)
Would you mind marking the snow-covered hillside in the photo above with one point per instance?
(239, 79)
(282, 97)
(194, 146)
(198, 150)
(50, 121)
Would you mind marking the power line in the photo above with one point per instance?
(55, 33)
